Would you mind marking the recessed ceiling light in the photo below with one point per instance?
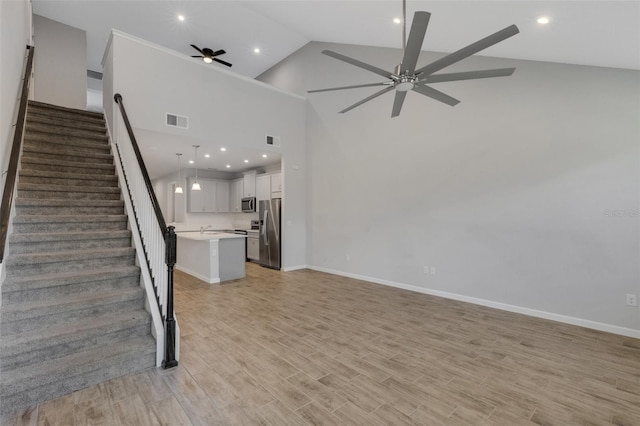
(543, 20)
(397, 20)
(256, 50)
(180, 17)
(207, 156)
(228, 166)
(264, 155)
(246, 161)
(223, 149)
(190, 161)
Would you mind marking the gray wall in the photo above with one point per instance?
(524, 196)
(60, 63)
(15, 31)
(219, 104)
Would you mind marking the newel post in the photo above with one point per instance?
(170, 321)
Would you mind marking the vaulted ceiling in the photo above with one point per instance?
(597, 33)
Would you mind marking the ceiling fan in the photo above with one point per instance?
(406, 77)
(209, 55)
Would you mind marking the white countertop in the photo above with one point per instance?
(208, 236)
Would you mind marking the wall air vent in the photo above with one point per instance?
(273, 140)
(177, 121)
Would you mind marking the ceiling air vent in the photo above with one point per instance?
(177, 121)
(273, 140)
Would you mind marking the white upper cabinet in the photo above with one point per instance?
(249, 184)
(202, 201)
(263, 187)
(213, 196)
(222, 197)
(276, 185)
(235, 195)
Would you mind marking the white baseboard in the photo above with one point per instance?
(294, 268)
(623, 331)
(198, 276)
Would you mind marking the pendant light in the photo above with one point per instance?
(179, 187)
(196, 185)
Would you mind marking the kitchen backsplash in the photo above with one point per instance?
(216, 221)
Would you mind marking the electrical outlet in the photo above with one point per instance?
(632, 299)
(425, 270)
(348, 258)
(432, 270)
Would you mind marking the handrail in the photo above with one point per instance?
(143, 168)
(12, 171)
(169, 236)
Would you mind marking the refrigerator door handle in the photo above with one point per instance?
(264, 227)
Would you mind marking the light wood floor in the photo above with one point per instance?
(306, 347)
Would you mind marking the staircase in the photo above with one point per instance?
(72, 312)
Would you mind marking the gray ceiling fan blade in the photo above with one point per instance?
(469, 75)
(435, 94)
(414, 43)
(357, 63)
(469, 50)
(397, 103)
(367, 99)
(347, 87)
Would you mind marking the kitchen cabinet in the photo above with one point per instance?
(249, 184)
(253, 246)
(263, 187)
(202, 201)
(222, 197)
(236, 193)
(213, 196)
(276, 185)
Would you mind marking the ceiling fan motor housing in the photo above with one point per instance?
(405, 83)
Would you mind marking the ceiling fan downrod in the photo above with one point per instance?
(404, 25)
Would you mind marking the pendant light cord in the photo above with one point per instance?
(178, 155)
(195, 159)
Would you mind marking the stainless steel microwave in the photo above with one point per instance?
(249, 204)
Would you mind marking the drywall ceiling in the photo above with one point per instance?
(159, 151)
(598, 33)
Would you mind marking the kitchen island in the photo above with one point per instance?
(213, 257)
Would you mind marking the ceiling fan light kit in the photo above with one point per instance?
(405, 77)
(209, 56)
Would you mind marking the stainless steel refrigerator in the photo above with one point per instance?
(269, 213)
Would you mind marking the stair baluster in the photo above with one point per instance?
(158, 239)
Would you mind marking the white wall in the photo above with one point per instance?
(15, 34)
(60, 64)
(524, 196)
(219, 104)
(94, 94)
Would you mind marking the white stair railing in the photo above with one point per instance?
(155, 242)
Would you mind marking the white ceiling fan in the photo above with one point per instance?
(406, 77)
